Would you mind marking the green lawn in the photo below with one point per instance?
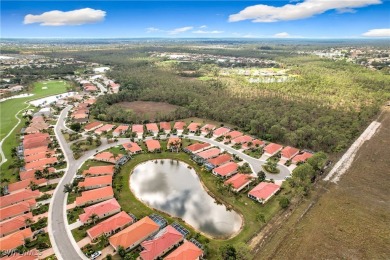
(9, 109)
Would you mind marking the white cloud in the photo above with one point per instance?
(207, 32)
(308, 8)
(60, 18)
(377, 33)
(152, 30)
(203, 27)
(180, 30)
(282, 35)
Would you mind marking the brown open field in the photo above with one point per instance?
(350, 220)
(149, 108)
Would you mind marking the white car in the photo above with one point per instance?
(96, 255)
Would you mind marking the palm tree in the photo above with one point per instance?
(28, 222)
(104, 240)
(93, 218)
(38, 174)
(68, 187)
(250, 144)
(33, 185)
(45, 172)
(230, 187)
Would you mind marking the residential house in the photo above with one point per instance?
(14, 224)
(242, 139)
(166, 127)
(208, 154)
(132, 148)
(179, 126)
(41, 163)
(17, 209)
(220, 131)
(40, 156)
(153, 145)
(263, 192)
(207, 128)
(301, 157)
(193, 127)
(272, 149)
(100, 210)
(105, 128)
(24, 184)
(90, 183)
(196, 147)
(94, 196)
(152, 128)
(174, 144)
(219, 160)
(138, 129)
(288, 153)
(253, 144)
(17, 197)
(239, 181)
(16, 239)
(30, 174)
(187, 251)
(232, 135)
(100, 170)
(120, 130)
(226, 170)
(92, 126)
(107, 157)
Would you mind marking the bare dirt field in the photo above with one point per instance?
(347, 220)
(149, 108)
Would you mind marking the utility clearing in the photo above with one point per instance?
(346, 160)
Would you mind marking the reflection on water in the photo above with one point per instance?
(173, 188)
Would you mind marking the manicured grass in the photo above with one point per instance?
(42, 209)
(249, 209)
(256, 153)
(9, 109)
(41, 242)
(73, 214)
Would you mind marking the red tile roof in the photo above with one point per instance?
(132, 147)
(25, 256)
(100, 170)
(134, 234)
(302, 157)
(207, 127)
(165, 126)
(179, 125)
(38, 150)
(156, 247)
(264, 190)
(17, 209)
(221, 159)
(197, 146)
(110, 225)
(14, 224)
(120, 129)
(18, 197)
(104, 180)
(31, 141)
(107, 127)
(272, 148)
(100, 209)
(207, 154)
(193, 126)
(187, 251)
(92, 126)
(31, 173)
(15, 239)
(153, 145)
(233, 134)
(239, 180)
(94, 195)
(152, 127)
(39, 156)
(226, 169)
(21, 185)
(173, 140)
(107, 157)
(40, 163)
(255, 143)
(242, 139)
(288, 152)
(137, 129)
(221, 131)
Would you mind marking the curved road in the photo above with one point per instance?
(64, 245)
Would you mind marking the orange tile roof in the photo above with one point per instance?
(111, 224)
(92, 195)
(38, 150)
(255, 142)
(135, 233)
(107, 127)
(152, 127)
(24, 256)
(221, 159)
(14, 224)
(288, 152)
(99, 209)
(242, 139)
(207, 154)
(207, 127)
(137, 128)
(193, 126)
(103, 180)
(226, 169)
(18, 197)
(302, 157)
(92, 125)
(17, 209)
(197, 146)
(221, 131)
(264, 190)
(233, 134)
(172, 140)
(153, 145)
(30, 137)
(20, 185)
(40, 163)
(156, 247)
(36, 119)
(31, 173)
(121, 129)
(165, 126)
(132, 147)
(38, 156)
(100, 170)
(239, 180)
(179, 125)
(187, 251)
(272, 148)
(15, 239)
(107, 157)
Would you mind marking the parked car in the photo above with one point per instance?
(96, 255)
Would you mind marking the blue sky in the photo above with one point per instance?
(251, 19)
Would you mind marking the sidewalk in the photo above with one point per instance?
(107, 250)
(75, 225)
(83, 242)
(46, 253)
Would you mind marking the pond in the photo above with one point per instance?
(171, 186)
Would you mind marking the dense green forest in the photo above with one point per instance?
(324, 109)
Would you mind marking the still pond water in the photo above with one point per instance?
(172, 187)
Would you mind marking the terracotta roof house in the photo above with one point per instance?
(165, 126)
(197, 147)
(24, 184)
(153, 145)
(162, 243)
(210, 153)
(25, 256)
(207, 128)
(14, 224)
(187, 251)
(93, 126)
(18, 197)
(179, 126)
(139, 129)
(255, 143)
(301, 157)
(94, 196)
(38, 156)
(90, 88)
(192, 127)
(263, 192)
(152, 128)
(233, 134)
(120, 130)
(15, 239)
(36, 127)
(242, 139)
(38, 150)
(96, 182)
(226, 170)
(132, 148)
(111, 225)
(239, 181)
(220, 160)
(105, 128)
(107, 157)
(36, 140)
(221, 131)
(17, 209)
(133, 235)
(288, 153)
(41, 163)
(101, 210)
(37, 119)
(272, 149)
(100, 170)
(90, 101)
(174, 143)
(29, 174)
